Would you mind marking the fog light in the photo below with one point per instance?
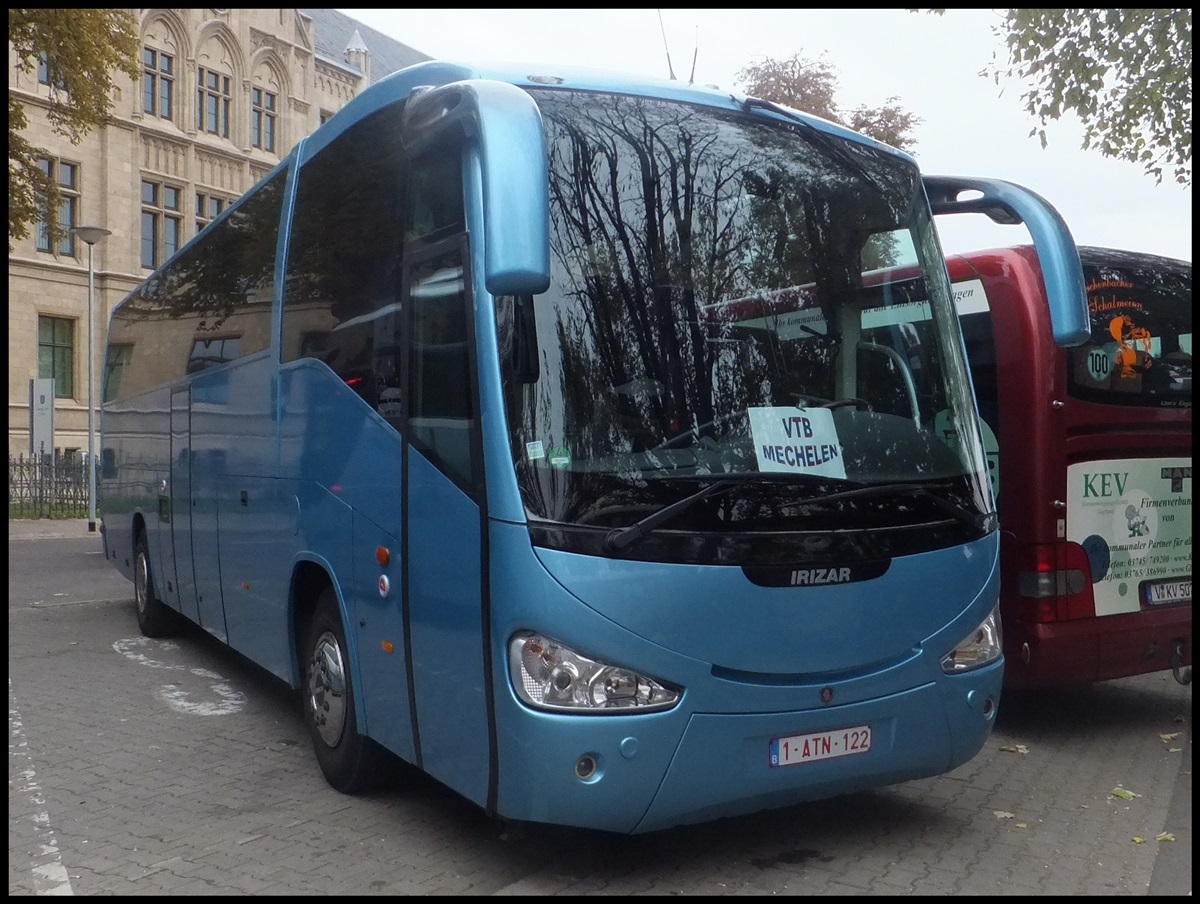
(585, 767)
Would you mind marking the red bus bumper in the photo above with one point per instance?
(1086, 650)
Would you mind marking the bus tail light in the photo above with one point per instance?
(1054, 583)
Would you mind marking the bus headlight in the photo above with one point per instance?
(548, 675)
(978, 648)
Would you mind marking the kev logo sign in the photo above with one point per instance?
(796, 441)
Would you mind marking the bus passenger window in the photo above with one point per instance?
(341, 303)
(439, 362)
(435, 203)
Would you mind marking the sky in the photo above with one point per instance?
(929, 64)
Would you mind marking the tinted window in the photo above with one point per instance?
(440, 363)
(217, 294)
(718, 280)
(1140, 352)
(341, 304)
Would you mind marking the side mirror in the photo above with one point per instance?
(504, 125)
(1006, 202)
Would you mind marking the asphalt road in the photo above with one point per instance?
(141, 767)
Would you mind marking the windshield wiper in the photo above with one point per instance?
(620, 537)
(961, 513)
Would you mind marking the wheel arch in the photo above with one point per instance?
(310, 578)
(138, 532)
(136, 529)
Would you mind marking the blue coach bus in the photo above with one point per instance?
(530, 426)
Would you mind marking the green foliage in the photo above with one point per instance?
(795, 82)
(811, 87)
(83, 47)
(891, 124)
(1126, 73)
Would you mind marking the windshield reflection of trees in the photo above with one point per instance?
(659, 212)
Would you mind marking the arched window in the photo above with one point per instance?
(214, 101)
(266, 93)
(163, 51)
(216, 71)
(158, 83)
(264, 118)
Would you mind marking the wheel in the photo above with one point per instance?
(155, 618)
(349, 760)
(514, 831)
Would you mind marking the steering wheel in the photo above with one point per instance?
(861, 404)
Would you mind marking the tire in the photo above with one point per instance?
(349, 761)
(155, 618)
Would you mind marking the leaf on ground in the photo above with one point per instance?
(1004, 814)
(1021, 825)
(1138, 839)
(1170, 737)
(1164, 836)
(1015, 748)
(1174, 749)
(1123, 793)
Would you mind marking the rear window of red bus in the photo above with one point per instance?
(1140, 351)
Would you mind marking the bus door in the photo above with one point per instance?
(178, 568)
(444, 569)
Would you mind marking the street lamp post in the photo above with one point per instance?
(90, 235)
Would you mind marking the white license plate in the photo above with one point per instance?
(821, 745)
(1169, 592)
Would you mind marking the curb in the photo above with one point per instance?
(48, 528)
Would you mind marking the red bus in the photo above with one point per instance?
(1090, 451)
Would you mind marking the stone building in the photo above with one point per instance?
(224, 95)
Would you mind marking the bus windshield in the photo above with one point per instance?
(1140, 351)
(717, 311)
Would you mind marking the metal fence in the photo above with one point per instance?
(47, 486)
